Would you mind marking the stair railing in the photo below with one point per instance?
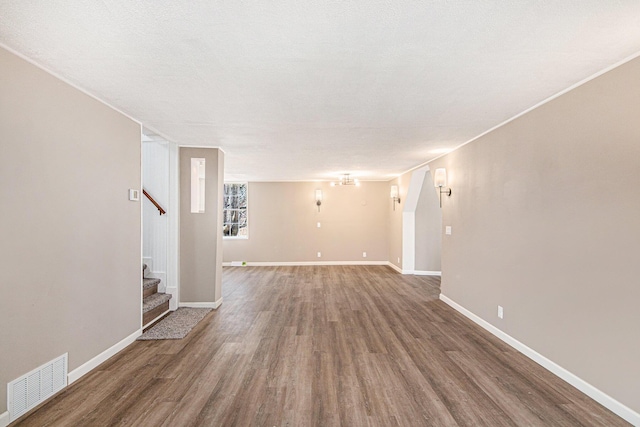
(152, 200)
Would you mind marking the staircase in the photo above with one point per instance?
(154, 303)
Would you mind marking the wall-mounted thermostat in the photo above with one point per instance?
(134, 195)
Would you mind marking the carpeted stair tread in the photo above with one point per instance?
(153, 301)
(177, 325)
(149, 282)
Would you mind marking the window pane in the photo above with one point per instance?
(227, 202)
(234, 215)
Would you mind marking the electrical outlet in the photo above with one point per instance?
(364, 254)
(500, 312)
(319, 254)
(318, 225)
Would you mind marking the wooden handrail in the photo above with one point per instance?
(156, 204)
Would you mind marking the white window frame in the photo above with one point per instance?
(246, 184)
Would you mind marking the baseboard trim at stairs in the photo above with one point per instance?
(599, 396)
(4, 419)
(87, 367)
(152, 322)
(213, 305)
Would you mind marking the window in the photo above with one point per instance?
(234, 212)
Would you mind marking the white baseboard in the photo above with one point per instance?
(4, 419)
(599, 396)
(85, 368)
(414, 272)
(308, 263)
(395, 267)
(213, 305)
(426, 273)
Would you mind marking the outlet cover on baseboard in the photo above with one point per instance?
(238, 263)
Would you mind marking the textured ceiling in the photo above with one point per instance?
(300, 90)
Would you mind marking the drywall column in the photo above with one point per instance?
(201, 233)
(409, 220)
(414, 232)
(428, 230)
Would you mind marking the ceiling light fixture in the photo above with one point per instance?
(346, 180)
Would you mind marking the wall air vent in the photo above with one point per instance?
(30, 390)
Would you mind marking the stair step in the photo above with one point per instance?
(153, 301)
(149, 316)
(149, 282)
(149, 286)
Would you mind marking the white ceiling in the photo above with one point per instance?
(305, 90)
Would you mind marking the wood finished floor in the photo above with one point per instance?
(327, 346)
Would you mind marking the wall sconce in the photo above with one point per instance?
(318, 199)
(395, 196)
(440, 181)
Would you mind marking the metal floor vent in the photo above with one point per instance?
(30, 390)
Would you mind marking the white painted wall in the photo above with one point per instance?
(155, 232)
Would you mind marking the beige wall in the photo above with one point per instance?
(201, 233)
(283, 221)
(70, 252)
(545, 217)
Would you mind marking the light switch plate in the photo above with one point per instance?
(134, 195)
(447, 230)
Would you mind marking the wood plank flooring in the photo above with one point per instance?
(325, 346)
